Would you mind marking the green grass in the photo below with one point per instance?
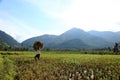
(61, 65)
(1, 66)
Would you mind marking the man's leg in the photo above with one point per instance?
(35, 57)
(38, 56)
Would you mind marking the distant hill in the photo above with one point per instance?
(91, 40)
(48, 41)
(107, 35)
(71, 39)
(73, 44)
(5, 38)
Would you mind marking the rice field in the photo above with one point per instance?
(59, 65)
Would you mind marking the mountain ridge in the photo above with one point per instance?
(74, 38)
(6, 38)
(107, 35)
(71, 37)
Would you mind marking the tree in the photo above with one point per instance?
(116, 48)
(4, 46)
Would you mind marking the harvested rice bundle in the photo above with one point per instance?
(37, 45)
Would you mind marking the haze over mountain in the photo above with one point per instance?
(4, 37)
(107, 35)
(72, 39)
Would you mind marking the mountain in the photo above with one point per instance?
(87, 38)
(48, 40)
(5, 38)
(73, 44)
(107, 35)
(71, 39)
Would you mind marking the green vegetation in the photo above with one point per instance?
(1, 66)
(59, 65)
(4, 46)
(7, 71)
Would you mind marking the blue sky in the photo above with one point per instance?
(23, 19)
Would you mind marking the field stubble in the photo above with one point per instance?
(66, 66)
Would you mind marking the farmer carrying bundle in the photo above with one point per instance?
(37, 47)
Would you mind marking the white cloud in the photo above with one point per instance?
(85, 14)
(92, 14)
(16, 28)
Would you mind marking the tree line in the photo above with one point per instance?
(5, 47)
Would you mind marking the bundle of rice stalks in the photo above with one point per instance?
(37, 45)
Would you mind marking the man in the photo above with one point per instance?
(37, 56)
(37, 47)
